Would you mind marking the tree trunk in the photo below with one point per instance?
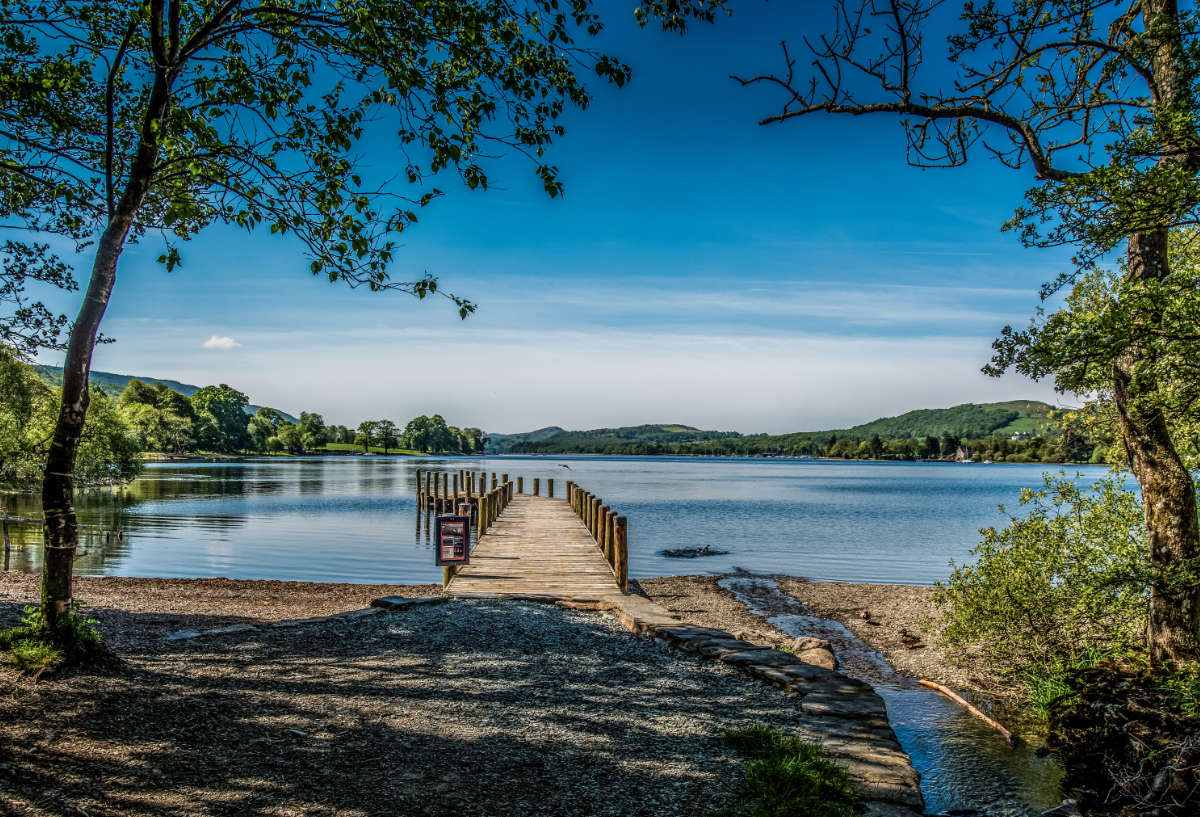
(61, 535)
(1168, 493)
(58, 484)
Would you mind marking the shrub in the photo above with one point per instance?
(1058, 589)
(786, 776)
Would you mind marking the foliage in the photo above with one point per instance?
(1061, 587)
(33, 649)
(26, 404)
(26, 325)
(786, 776)
(107, 452)
(108, 449)
(221, 421)
(1109, 312)
(432, 436)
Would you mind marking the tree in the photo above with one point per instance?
(290, 438)
(159, 416)
(931, 449)
(25, 406)
(367, 434)
(875, 447)
(221, 419)
(1099, 100)
(312, 430)
(164, 117)
(385, 431)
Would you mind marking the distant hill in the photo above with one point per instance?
(598, 440)
(966, 421)
(502, 443)
(113, 384)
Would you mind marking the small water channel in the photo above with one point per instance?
(963, 763)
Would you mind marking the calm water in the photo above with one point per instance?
(354, 518)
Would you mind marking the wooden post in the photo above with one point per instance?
(520, 485)
(447, 575)
(445, 485)
(428, 489)
(595, 531)
(621, 555)
(503, 479)
(537, 485)
(602, 530)
(550, 488)
(8, 545)
(610, 539)
(456, 490)
(420, 498)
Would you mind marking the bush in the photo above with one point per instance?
(1059, 589)
(786, 776)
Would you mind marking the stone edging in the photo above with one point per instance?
(844, 715)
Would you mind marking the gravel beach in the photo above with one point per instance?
(468, 707)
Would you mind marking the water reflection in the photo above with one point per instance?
(355, 518)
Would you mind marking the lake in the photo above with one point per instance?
(354, 519)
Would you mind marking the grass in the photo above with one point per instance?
(34, 650)
(374, 449)
(786, 776)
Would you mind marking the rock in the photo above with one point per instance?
(815, 651)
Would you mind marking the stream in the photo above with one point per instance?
(964, 764)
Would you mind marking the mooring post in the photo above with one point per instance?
(550, 488)
(621, 554)
(610, 539)
(420, 499)
(601, 528)
(595, 528)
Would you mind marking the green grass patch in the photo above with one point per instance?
(786, 776)
(33, 649)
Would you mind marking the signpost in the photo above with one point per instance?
(453, 537)
(452, 543)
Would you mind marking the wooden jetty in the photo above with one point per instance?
(528, 544)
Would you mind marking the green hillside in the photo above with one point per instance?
(966, 420)
(502, 443)
(113, 384)
(609, 440)
(969, 421)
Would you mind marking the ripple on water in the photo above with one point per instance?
(963, 763)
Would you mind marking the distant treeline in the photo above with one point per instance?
(1065, 448)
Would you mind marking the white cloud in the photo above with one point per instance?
(221, 342)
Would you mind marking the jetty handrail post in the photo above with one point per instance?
(621, 553)
(550, 488)
(520, 485)
(610, 539)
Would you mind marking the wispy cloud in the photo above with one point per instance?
(221, 342)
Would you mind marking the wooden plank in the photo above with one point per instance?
(537, 546)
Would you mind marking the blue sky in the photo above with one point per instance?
(700, 269)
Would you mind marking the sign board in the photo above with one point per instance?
(452, 539)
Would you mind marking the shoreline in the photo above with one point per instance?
(131, 610)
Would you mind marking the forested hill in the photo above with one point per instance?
(500, 443)
(968, 421)
(113, 384)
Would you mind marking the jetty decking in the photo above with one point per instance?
(537, 546)
(574, 548)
